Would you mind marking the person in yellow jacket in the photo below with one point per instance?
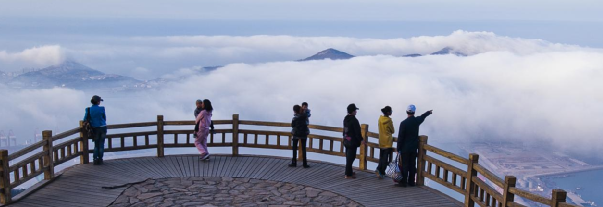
(386, 129)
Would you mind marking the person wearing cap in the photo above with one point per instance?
(98, 121)
(351, 129)
(386, 129)
(408, 145)
(299, 131)
(199, 104)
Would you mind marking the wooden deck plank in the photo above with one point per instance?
(268, 166)
(232, 171)
(226, 168)
(215, 164)
(239, 165)
(83, 183)
(244, 170)
(153, 167)
(169, 166)
(191, 169)
(173, 161)
(166, 172)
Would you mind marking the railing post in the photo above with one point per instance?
(5, 196)
(473, 159)
(363, 147)
(558, 197)
(421, 161)
(235, 135)
(48, 157)
(508, 197)
(85, 156)
(160, 152)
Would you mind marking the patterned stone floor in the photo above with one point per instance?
(226, 191)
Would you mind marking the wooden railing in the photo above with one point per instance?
(42, 157)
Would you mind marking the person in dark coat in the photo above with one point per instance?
(408, 145)
(351, 130)
(299, 131)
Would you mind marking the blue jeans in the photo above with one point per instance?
(100, 134)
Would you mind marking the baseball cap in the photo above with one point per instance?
(411, 108)
(352, 107)
(97, 98)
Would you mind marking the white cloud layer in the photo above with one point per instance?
(33, 57)
(550, 97)
(163, 55)
(508, 89)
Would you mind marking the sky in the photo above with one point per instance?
(348, 10)
(532, 74)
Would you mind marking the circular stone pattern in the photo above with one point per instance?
(225, 191)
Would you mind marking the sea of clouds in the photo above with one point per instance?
(509, 89)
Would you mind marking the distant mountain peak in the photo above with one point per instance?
(330, 53)
(448, 50)
(71, 74)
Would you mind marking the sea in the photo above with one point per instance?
(587, 184)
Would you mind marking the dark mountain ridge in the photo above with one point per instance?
(70, 74)
(330, 53)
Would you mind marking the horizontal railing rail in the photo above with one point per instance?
(42, 157)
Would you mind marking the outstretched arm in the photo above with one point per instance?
(424, 115)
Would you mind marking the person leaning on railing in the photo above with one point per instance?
(98, 121)
(408, 145)
(299, 131)
(386, 129)
(352, 138)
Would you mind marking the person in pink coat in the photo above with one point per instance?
(204, 123)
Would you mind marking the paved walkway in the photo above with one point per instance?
(86, 185)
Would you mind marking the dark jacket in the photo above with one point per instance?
(408, 135)
(351, 126)
(299, 128)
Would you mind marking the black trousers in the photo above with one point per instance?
(409, 167)
(303, 149)
(384, 159)
(350, 156)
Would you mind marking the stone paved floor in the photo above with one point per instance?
(226, 191)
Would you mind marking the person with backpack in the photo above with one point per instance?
(299, 131)
(96, 117)
(408, 145)
(199, 104)
(386, 129)
(352, 138)
(203, 122)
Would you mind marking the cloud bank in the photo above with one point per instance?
(550, 97)
(509, 89)
(33, 57)
(152, 57)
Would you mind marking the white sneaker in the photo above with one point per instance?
(206, 157)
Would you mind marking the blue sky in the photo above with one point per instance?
(430, 10)
(38, 22)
